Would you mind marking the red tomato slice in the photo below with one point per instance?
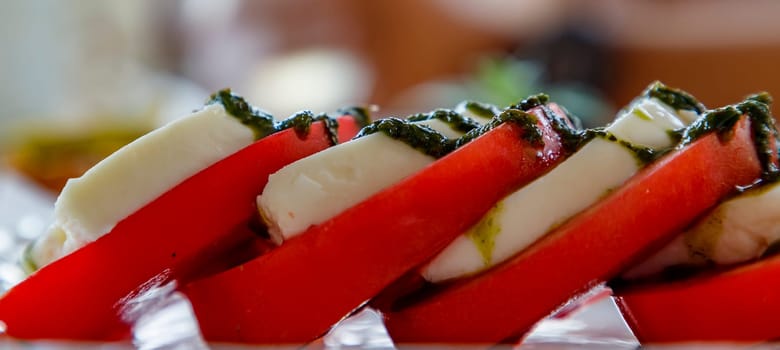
(741, 304)
(296, 292)
(592, 247)
(175, 236)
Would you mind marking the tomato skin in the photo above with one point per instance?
(736, 305)
(78, 296)
(296, 292)
(589, 249)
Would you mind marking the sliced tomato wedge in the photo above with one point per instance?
(176, 236)
(740, 304)
(505, 302)
(296, 292)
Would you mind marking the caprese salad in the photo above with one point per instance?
(169, 206)
(461, 226)
(716, 281)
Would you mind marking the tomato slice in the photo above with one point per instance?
(173, 237)
(507, 301)
(296, 292)
(740, 304)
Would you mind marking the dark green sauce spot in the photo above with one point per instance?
(765, 134)
(483, 110)
(361, 114)
(455, 120)
(531, 102)
(526, 121)
(721, 120)
(433, 143)
(418, 136)
(677, 99)
(572, 136)
(643, 154)
(301, 123)
(261, 123)
(762, 123)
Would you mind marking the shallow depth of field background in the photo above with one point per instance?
(72, 69)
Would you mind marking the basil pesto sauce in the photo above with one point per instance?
(455, 120)
(417, 136)
(483, 110)
(763, 129)
(675, 98)
(262, 123)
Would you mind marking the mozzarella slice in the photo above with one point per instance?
(736, 231)
(524, 216)
(316, 188)
(90, 206)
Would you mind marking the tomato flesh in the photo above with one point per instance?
(296, 292)
(176, 236)
(736, 305)
(505, 302)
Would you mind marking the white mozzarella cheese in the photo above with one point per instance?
(736, 231)
(316, 188)
(90, 206)
(524, 216)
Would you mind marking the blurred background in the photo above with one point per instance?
(82, 77)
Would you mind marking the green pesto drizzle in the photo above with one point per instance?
(643, 154)
(675, 98)
(418, 136)
(764, 133)
(572, 137)
(433, 143)
(484, 233)
(526, 121)
(531, 102)
(455, 120)
(483, 110)
(261, 123)
(722, 121)
(361, 114)
(301, 123)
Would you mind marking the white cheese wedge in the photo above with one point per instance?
(89, 206)
(524, 216)
(316, 188)
(737, 230)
